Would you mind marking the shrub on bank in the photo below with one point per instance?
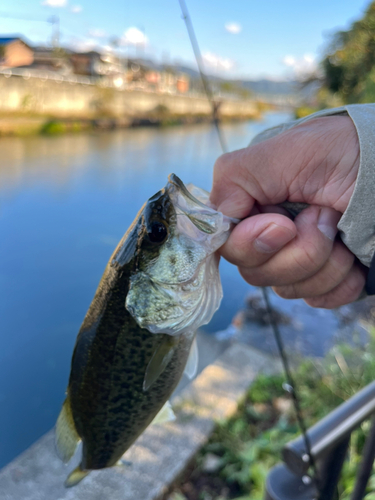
(303, 111)
(235, 462)
(54, 127)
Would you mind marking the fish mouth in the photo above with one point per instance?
(175, 182)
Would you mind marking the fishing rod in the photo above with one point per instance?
(290, 385)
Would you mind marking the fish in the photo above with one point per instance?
(138, 337)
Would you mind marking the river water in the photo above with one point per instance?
(65, 203)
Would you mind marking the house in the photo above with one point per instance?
(15, 52)
(182, 83)
(84, 62)
(95, 64)
(52, 59)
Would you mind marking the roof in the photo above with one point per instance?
(6, 40)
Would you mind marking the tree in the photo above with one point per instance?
(349, 67)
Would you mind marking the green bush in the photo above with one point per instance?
(76, 127)
(54, 127)
(303, 111)
(250, 443)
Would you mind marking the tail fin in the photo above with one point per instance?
(75, 477)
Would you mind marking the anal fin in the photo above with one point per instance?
(75, 477)
(191, 367)
(166, 414)
(66, 436)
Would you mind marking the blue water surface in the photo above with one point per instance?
(65, 202)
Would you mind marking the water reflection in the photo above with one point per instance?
(65, 203)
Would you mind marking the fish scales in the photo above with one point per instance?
(111, 409)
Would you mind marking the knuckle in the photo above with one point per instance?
(255, 278)
(342, 259)
(347, 291)
(352, 287)
(318, 302)
(309, 259)
(287, 292)
(223, 163)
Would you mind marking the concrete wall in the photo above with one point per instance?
(70, 99)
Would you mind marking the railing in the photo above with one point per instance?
(45, 74)
(329, 440)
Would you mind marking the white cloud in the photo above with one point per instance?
(216, 62)
(134, 36)
(55, 3)
(76, 9)
(302, 66)
(83, 45)
(98, 33)
(233, 28)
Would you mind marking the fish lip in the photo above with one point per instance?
(175, 182)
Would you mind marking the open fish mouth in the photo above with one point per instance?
(179, 289)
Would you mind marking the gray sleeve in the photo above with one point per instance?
(357, 225)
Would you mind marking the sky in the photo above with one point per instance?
(248, 39)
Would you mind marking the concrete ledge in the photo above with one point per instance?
(159, 455)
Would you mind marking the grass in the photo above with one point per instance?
(235, 462)
(303, 111)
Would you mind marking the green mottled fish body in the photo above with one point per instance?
(160, 284)
(110, 407)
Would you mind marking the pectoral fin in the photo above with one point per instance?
(75, 477)
(166, 414)
(191, 367)
(123, 463)
(66, 436)
(159, 361)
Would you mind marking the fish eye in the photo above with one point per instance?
(158, 232)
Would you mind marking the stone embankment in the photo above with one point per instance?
(29, 104)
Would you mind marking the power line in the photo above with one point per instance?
(27, 18)
(53, 20)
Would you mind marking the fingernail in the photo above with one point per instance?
(327, 222)
(273, 238)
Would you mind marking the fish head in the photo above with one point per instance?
(175, 286)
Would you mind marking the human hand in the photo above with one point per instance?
(316, 163)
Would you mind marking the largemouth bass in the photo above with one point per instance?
(160, 285)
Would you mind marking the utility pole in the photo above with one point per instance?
(55, 22)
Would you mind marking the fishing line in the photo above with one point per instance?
(291, 386)
(206, 85)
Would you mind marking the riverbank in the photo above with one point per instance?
(35, 105)
(25, 125)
